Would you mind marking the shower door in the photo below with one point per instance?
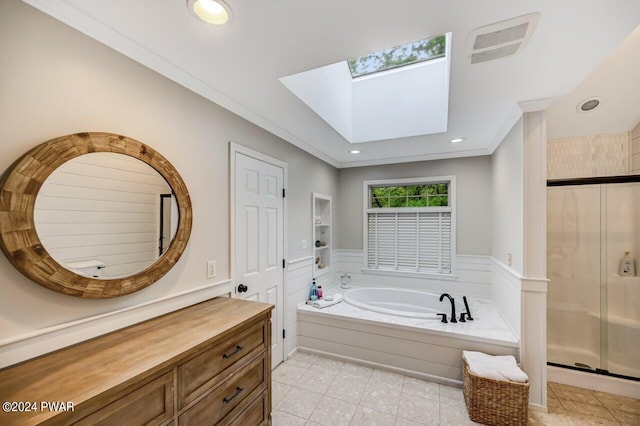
(621, 340)
(593, 313)
(573, 264)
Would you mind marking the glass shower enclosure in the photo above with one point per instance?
(593, 300)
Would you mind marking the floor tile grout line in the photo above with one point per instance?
(550, 389)
(366, 384)
(569, 416)
(593, 415)
(612, 414)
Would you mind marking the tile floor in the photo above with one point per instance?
(312, 390)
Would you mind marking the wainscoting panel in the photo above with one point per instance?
(506, 287)
(472, 275)
(411, 351)
(299, 278)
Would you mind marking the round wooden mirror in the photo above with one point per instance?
(23, 246)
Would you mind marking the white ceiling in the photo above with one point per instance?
(616, 82)
(238, 65)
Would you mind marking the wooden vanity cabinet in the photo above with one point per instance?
(206, 364)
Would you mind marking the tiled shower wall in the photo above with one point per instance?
(635, 150)
(594, 155)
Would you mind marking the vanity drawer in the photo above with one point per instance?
(150, 404)
(219, 402)
(202, 372)
(256, 413)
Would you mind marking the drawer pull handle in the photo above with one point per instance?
(238, 349)
(238, 390)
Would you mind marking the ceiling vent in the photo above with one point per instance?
(501, 39)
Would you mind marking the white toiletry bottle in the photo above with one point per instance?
(627, 265)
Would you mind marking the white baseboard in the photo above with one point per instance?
(292, 353)
(29, 345)
(536, 407)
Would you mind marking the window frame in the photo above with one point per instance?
(451, 208)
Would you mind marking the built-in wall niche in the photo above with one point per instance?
(321, 217)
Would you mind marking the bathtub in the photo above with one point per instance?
(398, 330)
(402, 302)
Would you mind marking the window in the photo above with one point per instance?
(394, 57)
(409, 225)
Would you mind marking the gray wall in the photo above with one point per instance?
(506, 177)
(473, 200)
(56, 81)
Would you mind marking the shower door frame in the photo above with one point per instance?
(603, 180)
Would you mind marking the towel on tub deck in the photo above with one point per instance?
(498, 367)
(337, 298)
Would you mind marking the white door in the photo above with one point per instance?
(259, 239)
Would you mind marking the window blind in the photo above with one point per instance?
(409, 241)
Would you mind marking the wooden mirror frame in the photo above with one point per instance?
(19, 240)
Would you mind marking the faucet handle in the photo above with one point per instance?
(462, 314)
(444, 318)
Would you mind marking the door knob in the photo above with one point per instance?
(242, 288)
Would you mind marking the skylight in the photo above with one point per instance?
(399, 56)
(402, 102)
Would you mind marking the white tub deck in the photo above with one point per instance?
(423, 348)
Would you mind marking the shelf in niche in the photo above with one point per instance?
(321, 231)
(320, 272)
(630, 277)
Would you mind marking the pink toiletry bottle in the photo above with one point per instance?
(319, 292)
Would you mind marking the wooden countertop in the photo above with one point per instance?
(118, 360)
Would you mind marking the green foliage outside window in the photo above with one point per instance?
(431, 195)
(410, 53)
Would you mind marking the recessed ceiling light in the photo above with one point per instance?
(215, 12)
(456, 140)
(354, 151)
(588, 104)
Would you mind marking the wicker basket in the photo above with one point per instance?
(494, 402)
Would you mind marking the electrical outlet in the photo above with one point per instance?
(508, 259)
(211, 269)
(303, 245)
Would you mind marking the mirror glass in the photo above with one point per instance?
(106, 215)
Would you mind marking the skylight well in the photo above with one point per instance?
(399, 56)
(408, 96)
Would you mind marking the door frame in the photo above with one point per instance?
(235, 148)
